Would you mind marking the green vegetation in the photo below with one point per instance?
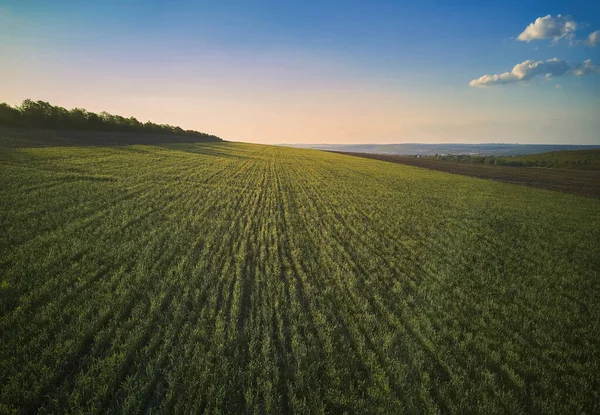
(40, 114)
(569, 159)
(242, 278)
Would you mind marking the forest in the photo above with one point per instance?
(41, 114)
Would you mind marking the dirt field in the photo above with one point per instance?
(579, 182)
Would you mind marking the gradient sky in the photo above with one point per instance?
(307, 71)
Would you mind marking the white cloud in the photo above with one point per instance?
(585, 68)
(549, 27)
(593, 38)
(558, 86)
(524, 71)
(529, 69)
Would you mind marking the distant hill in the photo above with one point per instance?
(443, 149)
(43, 115)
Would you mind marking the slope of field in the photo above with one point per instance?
(243, 278)
(578, 182)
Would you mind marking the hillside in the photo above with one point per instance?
(182, 277)
(36, 137)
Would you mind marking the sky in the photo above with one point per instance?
(316, 71)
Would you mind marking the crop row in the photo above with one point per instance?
(240, 278)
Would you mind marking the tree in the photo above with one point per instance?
(9, 116)
(41, 114)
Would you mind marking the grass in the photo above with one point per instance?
(573, 159)
(243, 278)
(567, 159)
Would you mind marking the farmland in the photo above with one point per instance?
(239, 278)
(588, 159)
(584, 182)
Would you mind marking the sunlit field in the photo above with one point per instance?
(244, 278)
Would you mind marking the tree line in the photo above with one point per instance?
(41, 114)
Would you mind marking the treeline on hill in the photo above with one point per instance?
(577, 159)
(40, 114)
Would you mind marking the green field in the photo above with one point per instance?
(241, 278)
(567, 159)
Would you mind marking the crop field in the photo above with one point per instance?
(588, 159)
(239, 278)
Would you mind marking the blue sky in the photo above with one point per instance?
(310, 72)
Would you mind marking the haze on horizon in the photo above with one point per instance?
(328, 72)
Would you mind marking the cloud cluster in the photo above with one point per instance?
(549, 27)
(593, 38)
(585, 68)
(529, 69)
(546, 27)
(557, 28)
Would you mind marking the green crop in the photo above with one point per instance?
(243, 278)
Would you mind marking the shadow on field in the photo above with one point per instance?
(207, 149)
(25, 137)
